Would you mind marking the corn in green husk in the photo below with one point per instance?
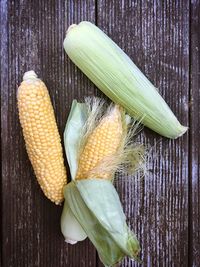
(92, 207)
(113, 72)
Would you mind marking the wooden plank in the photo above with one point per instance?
(4, 83)
(155, 34)
(36, 29)
(194, 252)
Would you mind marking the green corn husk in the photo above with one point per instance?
(70, 227)
(97, 207)
(113, 72)
(92, 207)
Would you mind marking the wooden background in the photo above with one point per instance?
(163, 208)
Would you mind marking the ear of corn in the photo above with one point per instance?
(41, 136)
(113, 72)
(98, 146)
(103, 142)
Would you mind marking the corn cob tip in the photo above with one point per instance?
(70, 241)
(29, 75)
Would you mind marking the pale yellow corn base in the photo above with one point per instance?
(42, 138)
(102, 143)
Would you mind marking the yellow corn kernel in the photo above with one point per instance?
(41, 136)
(103, 142)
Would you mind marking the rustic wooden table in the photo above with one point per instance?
(163, 208)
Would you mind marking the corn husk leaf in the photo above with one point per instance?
(113, 72)
(73, 132)
(70, 227)
(103, 220)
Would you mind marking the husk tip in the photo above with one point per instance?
(70, 28)
(183, 129)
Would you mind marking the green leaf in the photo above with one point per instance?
(96, 205)
(70, 227)
(72, 134)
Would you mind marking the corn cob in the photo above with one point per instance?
(103, 142)
(113, 72)
(96, 146)
(41, 136)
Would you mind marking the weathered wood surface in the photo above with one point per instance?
(156, 36)
(163, 208)
(35, 32)
(194, 218)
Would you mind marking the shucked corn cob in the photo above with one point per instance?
(103, 142)
(41, 136)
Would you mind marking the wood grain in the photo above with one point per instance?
(163, 208)
(155, 34)
(4, 82)
(33, 36)
(194, 219)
